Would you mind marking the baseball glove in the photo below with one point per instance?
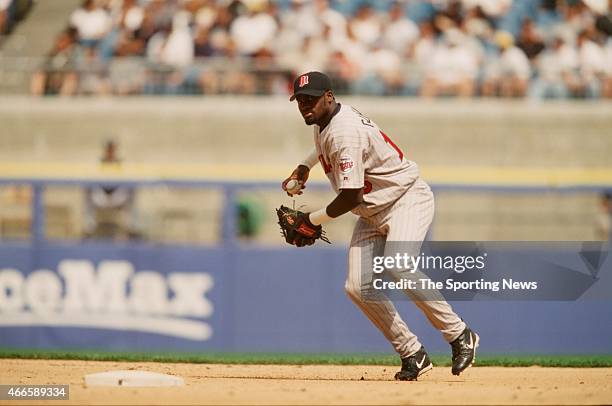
(297, 229)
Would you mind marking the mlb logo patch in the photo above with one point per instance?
(303, 80)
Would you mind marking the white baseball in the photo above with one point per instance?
(293, 186)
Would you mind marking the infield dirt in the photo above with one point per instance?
(318, 384)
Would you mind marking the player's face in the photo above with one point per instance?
(312, 108)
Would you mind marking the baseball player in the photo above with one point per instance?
(374, 180)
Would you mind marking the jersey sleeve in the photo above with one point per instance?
(347, 157)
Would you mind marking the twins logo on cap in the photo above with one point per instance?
(313, 84)
(303, 80)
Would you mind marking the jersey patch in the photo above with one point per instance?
(346, 164)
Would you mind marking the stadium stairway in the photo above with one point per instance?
(32, 38)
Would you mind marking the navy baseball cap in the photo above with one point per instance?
(311, 84)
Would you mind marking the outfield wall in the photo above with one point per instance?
(233, 296)
(232, 299)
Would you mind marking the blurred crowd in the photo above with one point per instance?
(493, 48)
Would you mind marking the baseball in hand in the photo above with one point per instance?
(293, 186)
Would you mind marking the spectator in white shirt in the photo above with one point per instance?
(171, 52)
(254, 30)
(453, 68)
(332, 20)
(301, 19)
(173, 47)
(425, 45)
(366, 25)
(92, 23)
(399, 31)
(178, 50)
(355, 50)
(508, 75)
(123, 40)
(556, 71)
(592, 64)
(312, 54)
(387, 66)
(421, 54)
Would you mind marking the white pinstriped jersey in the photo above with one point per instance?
(355, 153)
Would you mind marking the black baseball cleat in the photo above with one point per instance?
(414, 366)
(464, 350)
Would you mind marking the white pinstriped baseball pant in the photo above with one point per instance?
(408, 221)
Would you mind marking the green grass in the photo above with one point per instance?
(579, 361)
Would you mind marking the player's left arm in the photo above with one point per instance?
(346, 201)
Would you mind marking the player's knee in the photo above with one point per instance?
(362, 293)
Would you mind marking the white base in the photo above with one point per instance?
(132, 378)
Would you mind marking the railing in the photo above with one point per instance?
(143, 76)
(230, 190)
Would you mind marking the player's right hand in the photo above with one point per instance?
(301, 175)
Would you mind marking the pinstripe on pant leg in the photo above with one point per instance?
(408, 223)
(367, 242)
